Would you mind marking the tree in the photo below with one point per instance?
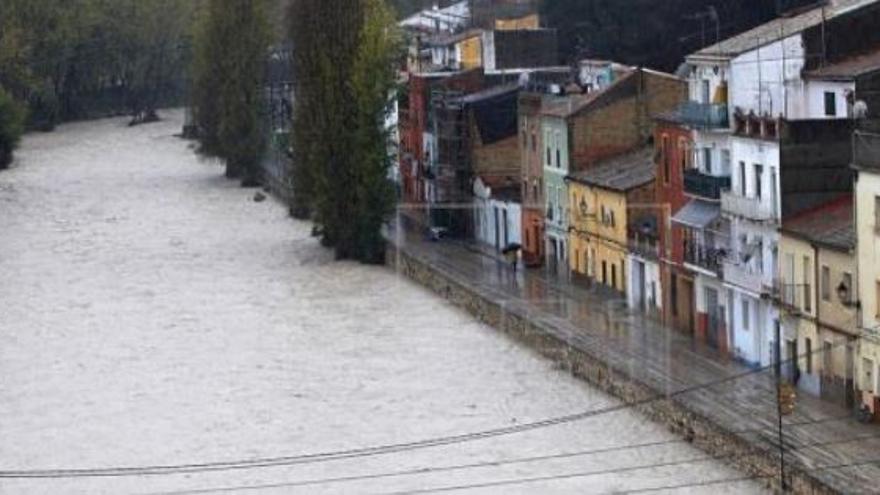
(324, 34)
(11, 127)
(373, 82)
(343, 73)
(228, 75)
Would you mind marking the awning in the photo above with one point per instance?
(697, 214)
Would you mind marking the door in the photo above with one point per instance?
(791, 364)
(639, 285)
(497, 226)
(506, 232)
(714, 317)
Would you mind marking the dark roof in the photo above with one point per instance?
(848, 69)
(495, 112)
(621, 173)
(829, 225)
(780, 28)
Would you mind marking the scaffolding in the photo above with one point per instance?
(450, 171)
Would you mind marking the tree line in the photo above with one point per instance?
(62, 60)
(344, 54)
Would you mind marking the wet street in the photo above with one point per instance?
(153, 314)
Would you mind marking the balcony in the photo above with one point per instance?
(707, 258)
(644, 245)
(755, 126)
(703, 115)
(745, 276)
(705, 186)
(790, 296)
(756, 209)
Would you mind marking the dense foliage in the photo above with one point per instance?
(232, 40)
(343, 60)
(11, 127)
(70, 59)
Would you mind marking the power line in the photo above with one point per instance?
(374, 450)
(493, 463)
(536, 479)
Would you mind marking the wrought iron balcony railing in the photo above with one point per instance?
(708, 258)
(703, 115)
(705, 186)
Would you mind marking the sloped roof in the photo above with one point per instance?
(621, 173)
(569, 105)
(849, 68)
(780, 28)
(830, 224)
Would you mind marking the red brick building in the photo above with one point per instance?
(674, 147)
(532, 169)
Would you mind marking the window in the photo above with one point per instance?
(877, 213)
(742, 179)
(705, 91)
(826, 284)
(827, 358)
(847, 282)
(808, 349)
(577, 261)
(745, 314)
(830, 104)
(867, 375)
(683, 154)
(707, 160)
(556, 141)
(666, 158)
(725, 161)
(808, 303)
(759, 172)
(877, 299)
(614, 275)
(534, 143)
(549, 160)
(604, 272)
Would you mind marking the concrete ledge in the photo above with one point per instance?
(752, 457)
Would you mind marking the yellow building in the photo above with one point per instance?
(816, 295)
(470, 50)
(867, 221)
(605, 204)
(531, 21)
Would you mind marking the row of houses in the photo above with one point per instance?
(737, 200)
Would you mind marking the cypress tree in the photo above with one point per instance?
(343, 55)
(373, 80)
(228, 76)
(11, 127)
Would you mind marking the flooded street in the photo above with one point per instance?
(151, 313)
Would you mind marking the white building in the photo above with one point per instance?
(437, 20)
(741, 89)
(497, 216)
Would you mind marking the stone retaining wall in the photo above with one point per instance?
(750, 457)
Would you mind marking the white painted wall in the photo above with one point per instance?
(815, 99)
(717, 143)
(651, 291)
(447, 19)
(768, 81)
(716, 73)
(752, 152)
(489, 213)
